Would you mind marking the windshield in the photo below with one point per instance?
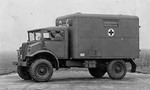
(36, 35)
(46, 34)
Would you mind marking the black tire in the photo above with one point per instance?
(41, 70)
(97, 72)
(23, 73)
(116, 69)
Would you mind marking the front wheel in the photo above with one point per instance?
(41, 70)
(116, 69)
(23, 73)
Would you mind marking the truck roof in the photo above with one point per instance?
(49, 28)
(110, 16)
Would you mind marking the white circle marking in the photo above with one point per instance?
(111, 32)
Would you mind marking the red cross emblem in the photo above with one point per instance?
(111, 32)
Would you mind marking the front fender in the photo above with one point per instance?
(40, 51)
(46, 51)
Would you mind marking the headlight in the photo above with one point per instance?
(18, 52)
(29, 49)
(20, 56)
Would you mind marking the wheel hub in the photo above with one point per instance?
(42, 70)
(118, 68)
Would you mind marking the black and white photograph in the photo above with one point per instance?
(74, 45)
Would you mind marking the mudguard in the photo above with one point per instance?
(133, 68)
(46, 51)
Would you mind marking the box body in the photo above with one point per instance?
(95, 36)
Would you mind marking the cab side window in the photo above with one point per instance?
(57, 35)
(54, 35)
(46, 35)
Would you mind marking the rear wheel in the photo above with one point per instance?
(41, 70)
(23, 73)
(116, 69)
(97, 72)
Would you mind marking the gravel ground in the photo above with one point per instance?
(77, 80)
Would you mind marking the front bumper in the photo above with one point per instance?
(20, 63)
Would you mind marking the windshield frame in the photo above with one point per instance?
(53, 35)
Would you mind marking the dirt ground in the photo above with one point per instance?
(77, 80)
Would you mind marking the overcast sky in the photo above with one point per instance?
(18, 16)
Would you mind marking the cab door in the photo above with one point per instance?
(56, 41)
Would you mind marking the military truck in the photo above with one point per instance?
(102, 43)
